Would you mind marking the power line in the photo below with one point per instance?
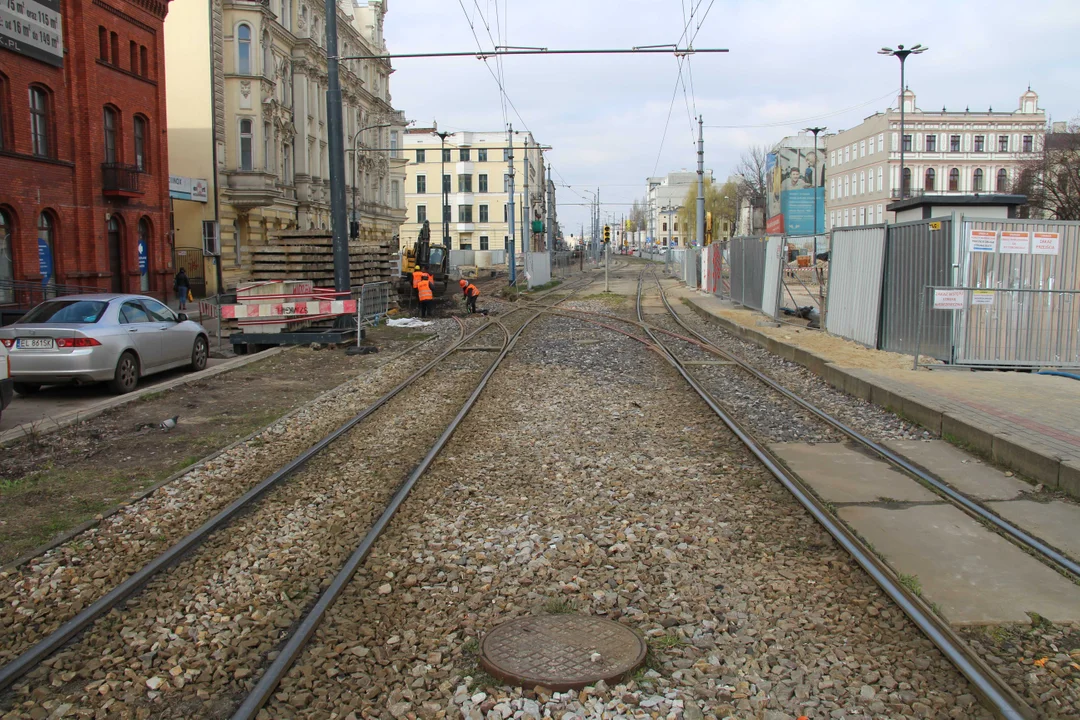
(663, 138)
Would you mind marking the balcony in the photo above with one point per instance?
(253, 189)
(119, 180)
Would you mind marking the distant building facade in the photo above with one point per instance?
(946, 152)
(474, 169)
(665, 196)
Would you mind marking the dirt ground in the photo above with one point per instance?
(53, 482)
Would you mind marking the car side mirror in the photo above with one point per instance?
(181, 317)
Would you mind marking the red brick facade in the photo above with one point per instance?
(114, 57)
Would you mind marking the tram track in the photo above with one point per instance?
(499, 334)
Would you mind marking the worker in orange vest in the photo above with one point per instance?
(417, 276)
(470, 293)
(425, 295)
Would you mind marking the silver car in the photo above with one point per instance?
(100, 338)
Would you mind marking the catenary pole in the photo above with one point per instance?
(550, 219)
(510, 208)
(335, 142)
(701, 184)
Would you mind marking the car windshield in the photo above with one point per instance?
(66, 311)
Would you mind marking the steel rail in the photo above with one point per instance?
(33, 656)
(1018, 535)
(1003, 699)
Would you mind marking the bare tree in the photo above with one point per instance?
(751, 173)
(719, 200)
(639, 216)
(1051, 177)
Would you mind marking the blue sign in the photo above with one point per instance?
(45, 261)
(797, 207)
(142, 257)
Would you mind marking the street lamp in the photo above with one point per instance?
(901, 53)
(356, 161)
(818, 182)
(445, 189)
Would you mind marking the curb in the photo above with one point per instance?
(147, 492)
(74, 416)
(999, 447)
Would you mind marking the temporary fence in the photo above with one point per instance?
(712, 268)
(853, 298)
(804, 278)
(747, 268)
(691, 272)
(374, 302)
(537, 268)
(774, 265)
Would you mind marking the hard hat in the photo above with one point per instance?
(463, 282)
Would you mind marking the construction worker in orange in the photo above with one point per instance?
(416, 275)
(425, 295)
(470, 292)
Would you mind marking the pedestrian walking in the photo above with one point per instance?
(426, 296)
(182, 286)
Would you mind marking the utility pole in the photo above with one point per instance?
(335, 141)
(444, 194)
(510, 208)
(817, 184)
(701, 183)
(550, 219)
(526, 208)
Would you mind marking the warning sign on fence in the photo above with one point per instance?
(948, 299)
(982, 297)
(1046, 243)
(982, 240)
(1015, 243)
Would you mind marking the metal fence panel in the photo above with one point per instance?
(916, 257)
(856, 260)
(537, 268)
(374, 302)
(747, 256)
(770, 292)
(462, 257)
(690, 267)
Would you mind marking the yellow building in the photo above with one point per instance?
(254, 125)
(475, 170)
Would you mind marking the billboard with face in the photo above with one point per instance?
(796, 186)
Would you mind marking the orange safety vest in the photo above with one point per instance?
(424, 289)
(472, 291)
(416, 276)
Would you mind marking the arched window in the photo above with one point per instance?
(245, 146)
(143, 256)
(46, 231)
(906, 182)
(954, 180)
(931, 176)
(144, 64)
(103, 43)
(40, 121)
(977, 180)
(1002, 181)
(141, 158)
(7, 261)
(110, 135)
(114, 48)
(243, 50)
(133, 53)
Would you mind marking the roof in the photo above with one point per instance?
(976, 200)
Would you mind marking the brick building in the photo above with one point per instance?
(84, 198)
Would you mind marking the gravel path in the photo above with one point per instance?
(613, 490)
(37, 597)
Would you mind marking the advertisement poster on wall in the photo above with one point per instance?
(796, 188)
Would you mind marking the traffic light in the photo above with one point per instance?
(354, 229)
(607, 233)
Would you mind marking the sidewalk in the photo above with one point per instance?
(1027, 422)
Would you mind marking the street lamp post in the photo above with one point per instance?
(901, 53)
(818, 183)
(444, 190)
(356, 161)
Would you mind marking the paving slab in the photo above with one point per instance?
(964, 472)
(840, 474)
(975, 576)
(1056, 522)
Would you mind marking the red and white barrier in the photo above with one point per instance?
(293, 310)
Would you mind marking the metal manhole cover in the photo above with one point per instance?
(561, 652)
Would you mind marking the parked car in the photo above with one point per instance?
(100, 338)
(6, 383)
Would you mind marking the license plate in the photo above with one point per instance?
(35, 343)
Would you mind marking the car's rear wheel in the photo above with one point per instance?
(126, 376)
(199, 353)
(27, 388)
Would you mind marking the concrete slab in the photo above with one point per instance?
(1055, 522)
(840, 474)
(975, 576)
(964, 472)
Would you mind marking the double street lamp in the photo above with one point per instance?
(902, 53)
(356, 161)
(445, 188)
(817, 183)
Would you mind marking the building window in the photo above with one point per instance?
(879, 216)
(871, 146)
(481, 156)
(421, 156)
(245, 146)
(862, 216)
(881, 142)
(483, 213)
(421, 184)
(1003, 143)
(266, 148)
(907, 143)
(144, 65)
(395, 193)
(1029, 143)
(880, 180)
(832, 159)
(482, 183)
(40, 121)
(905, 184)
(446, 183)
(977, 180)
(980, 143)
(954, 180)
(931, 143)
(243, 49)
(862, 183)
(464, 213)
(1002, 181)
(483, 242)
(954, 143)
(446, 213)
(464, 183)
(140, 144)
(463, 154)
(394, 144)
(114, 49)
(110, 135)
(847, 154)
(832, 189)
(286, 163)
(103, 43)
(421, 214)
(847, 186)
(133, 54)
(210, 237)
(930, 178)
(446, 155)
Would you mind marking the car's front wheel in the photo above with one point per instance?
(199, 353)
(27, 388)
(126, 376)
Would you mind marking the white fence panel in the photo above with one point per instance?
(771, 294)
(856, 262)
(537, 268)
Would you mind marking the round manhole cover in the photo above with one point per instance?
(561, 652)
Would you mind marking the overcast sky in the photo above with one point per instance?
(787, 68)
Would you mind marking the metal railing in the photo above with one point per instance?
(374, 303)
(117, 177)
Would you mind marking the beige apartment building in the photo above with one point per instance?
(474, 168)
(252, 123)
(947, 152)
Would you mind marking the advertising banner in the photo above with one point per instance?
(796, 188)
(33, 28)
